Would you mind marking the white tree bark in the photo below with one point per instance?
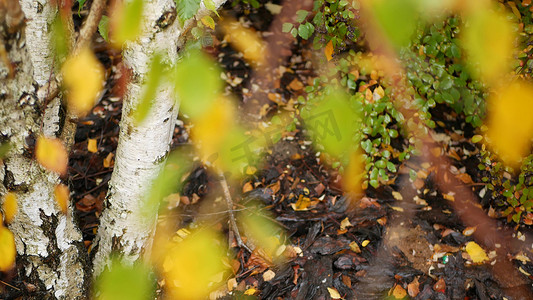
(142, 149)
(50, 249)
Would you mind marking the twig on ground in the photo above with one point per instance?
(229, 203)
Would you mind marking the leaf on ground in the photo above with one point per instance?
(510, 125)
(190, 265)
(92, 145)
(7, 249)
(9, 205)
(398, 292)
(477, 254)
(245, 40)
(121, 281)
(488, 39)
(83, 77)
(51, 154)
(264, 232)
(333, 293)
(62, 197)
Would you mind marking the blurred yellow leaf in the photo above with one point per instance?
(191, 264)
(91, 145)
(353, 174)
(62, 196)
(334, 294)
(250, 292)
(477, 253)
(245, 40)
(488, 39)
(7, 249)
(510, 123)
(51, 154)
(10, 206)
(328, 51)
(213, 126)
(83, 77)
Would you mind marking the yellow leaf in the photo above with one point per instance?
(477, 253)
(302, 204)
(354, 247)
(7, 249)
(10, 206)
(83, 77)
(108, 161)
(208, 21)
(62, 196)
(365, 243)
(488, 39)
(397, 195)
(328, 51)
(91, 146)
(51, 154)
(245, 40)
(510, 125)
(345, 223)
(334, 294)
(190, 265)
(250, 292)
(353, 174)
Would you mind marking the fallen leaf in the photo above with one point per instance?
(399, 292)
(449, 197)
(91, 146)
(247, 187)
(397, 195)
(296, 85)
(365, 243)
(269, 275)
(51, 154)
(440, 286)
(354, 247)
(108, 160)
(7, 249)
(302, 204)
(464, 177)
(250, 292)
(345, 223)
(469, 231)
(333, 293)
(62, 196)
(477, 254)
(413, 288)
(9, 206)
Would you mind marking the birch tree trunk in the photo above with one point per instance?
(142, 149)
(51, 255)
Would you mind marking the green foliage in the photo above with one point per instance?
(187, 9)
(397, 19)
(332, 20)
(125, 282)
(197, 81)
(103, 28)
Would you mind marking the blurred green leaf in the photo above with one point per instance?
(125, 282)
(127, 22)
(398, 19)
(197, 82)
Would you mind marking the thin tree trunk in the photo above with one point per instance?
(51, 255)
(142, 148)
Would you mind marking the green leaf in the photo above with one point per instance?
(197, 82)
(103, 28)
(286, 27)
(306, 30)
(210, 4)
(80, 5)
(208, 21)
(153, 79)
(187, 9)
(301, 15)
(125, 282)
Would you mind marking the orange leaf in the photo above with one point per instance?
(328, 51)
(399, 292)
(7, 249)
(10, 206)
(61, 195)
(51, 154)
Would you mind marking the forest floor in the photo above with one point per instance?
(403, 239)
